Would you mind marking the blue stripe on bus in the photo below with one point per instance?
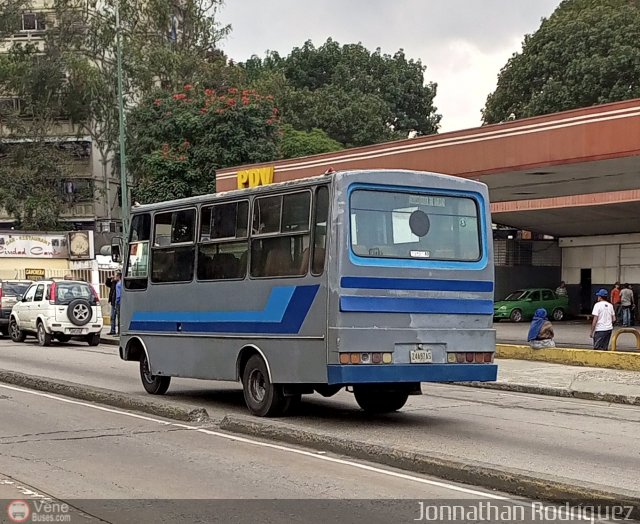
(433, 306)
(291, 309)
(415, 284)
(395, 373)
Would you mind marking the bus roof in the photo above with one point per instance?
(300, 182)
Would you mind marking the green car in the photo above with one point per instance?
(522, 304)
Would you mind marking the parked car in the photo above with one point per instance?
(10, 290)
(522, 304)
(57, 309)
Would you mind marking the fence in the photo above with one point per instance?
(75, 274)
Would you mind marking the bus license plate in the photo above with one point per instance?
(421, 356)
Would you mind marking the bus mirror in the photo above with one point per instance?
(116, 249)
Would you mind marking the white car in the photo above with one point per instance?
(57, 309)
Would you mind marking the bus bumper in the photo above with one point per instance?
(397, 373)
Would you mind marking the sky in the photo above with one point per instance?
(463, 43)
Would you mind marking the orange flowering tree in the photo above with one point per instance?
(178, 141)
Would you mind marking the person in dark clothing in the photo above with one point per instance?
(112, 283)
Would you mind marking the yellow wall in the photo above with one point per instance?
(9, 265)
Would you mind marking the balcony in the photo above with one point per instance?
(84, 210)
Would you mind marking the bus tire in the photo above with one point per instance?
(153, 384)
(377, 401)
(263, 398)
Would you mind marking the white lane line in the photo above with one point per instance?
(278, 447)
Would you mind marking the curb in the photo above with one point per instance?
(612, 398)
(510, 480)
(105, 396)
(110, 341)
(572, 356)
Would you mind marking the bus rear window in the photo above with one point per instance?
(400, 225)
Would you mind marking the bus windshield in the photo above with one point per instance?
(402, 225)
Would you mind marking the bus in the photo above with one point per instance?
(375, 281)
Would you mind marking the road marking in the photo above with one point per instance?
(286, 449)
(279, 447)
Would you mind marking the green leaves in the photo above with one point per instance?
(586, 53)
(356, 96)
(178, 141)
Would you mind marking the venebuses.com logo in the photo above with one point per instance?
(18, 511)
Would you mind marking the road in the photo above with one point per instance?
(114, 466)
(567, 439)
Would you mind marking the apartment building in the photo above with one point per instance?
(91, 192)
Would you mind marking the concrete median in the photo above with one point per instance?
(105, 396)
(456, 469)
(572, 357)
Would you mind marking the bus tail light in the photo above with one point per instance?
(451, 358)
(488, 357)
(460, 358)
(366, 358)
(469, 357)
(479, 357)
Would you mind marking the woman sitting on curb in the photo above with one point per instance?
(541, 331)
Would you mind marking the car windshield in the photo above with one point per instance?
(517, 295)
(66, 292)
(15, 289)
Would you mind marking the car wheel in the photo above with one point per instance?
(79, 312)
(558, 314)
(93, 339)
(516, 315)
(44, 338)
(17, 335)
(153, 384)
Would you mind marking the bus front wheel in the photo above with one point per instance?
(263, 398)
(378, 401)
(153, 384)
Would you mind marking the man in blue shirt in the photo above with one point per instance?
(118, 299)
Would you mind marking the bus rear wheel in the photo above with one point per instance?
(153, 384)
(263, 398)
(379, 401)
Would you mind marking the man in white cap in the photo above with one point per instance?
(602, 324)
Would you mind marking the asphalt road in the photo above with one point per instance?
(113, 466)
(567, 439)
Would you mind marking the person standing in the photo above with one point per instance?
(561, 290)
(118, 299)
(112, 284)
(626, 302)
(602, 323)
(615, 300)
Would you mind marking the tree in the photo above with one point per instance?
(295, 144)
(32, 177)
(71, 75)
(178, 141)
(586, 53)
(357, 97)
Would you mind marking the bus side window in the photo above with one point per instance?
(286, 216)
(320, 229)
(137, 268)
(223, 247)
(173, 253)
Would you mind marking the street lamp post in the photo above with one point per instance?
(124, 186)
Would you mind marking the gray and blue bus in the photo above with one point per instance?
(376, 281)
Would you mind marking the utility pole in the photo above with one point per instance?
(124, 185)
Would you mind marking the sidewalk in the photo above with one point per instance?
(621, 387)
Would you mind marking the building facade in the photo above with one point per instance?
(91, 189)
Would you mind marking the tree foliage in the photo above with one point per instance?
(31, 178)
(304, 143)
(586, 53)
(357, 97)
(178, 141)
